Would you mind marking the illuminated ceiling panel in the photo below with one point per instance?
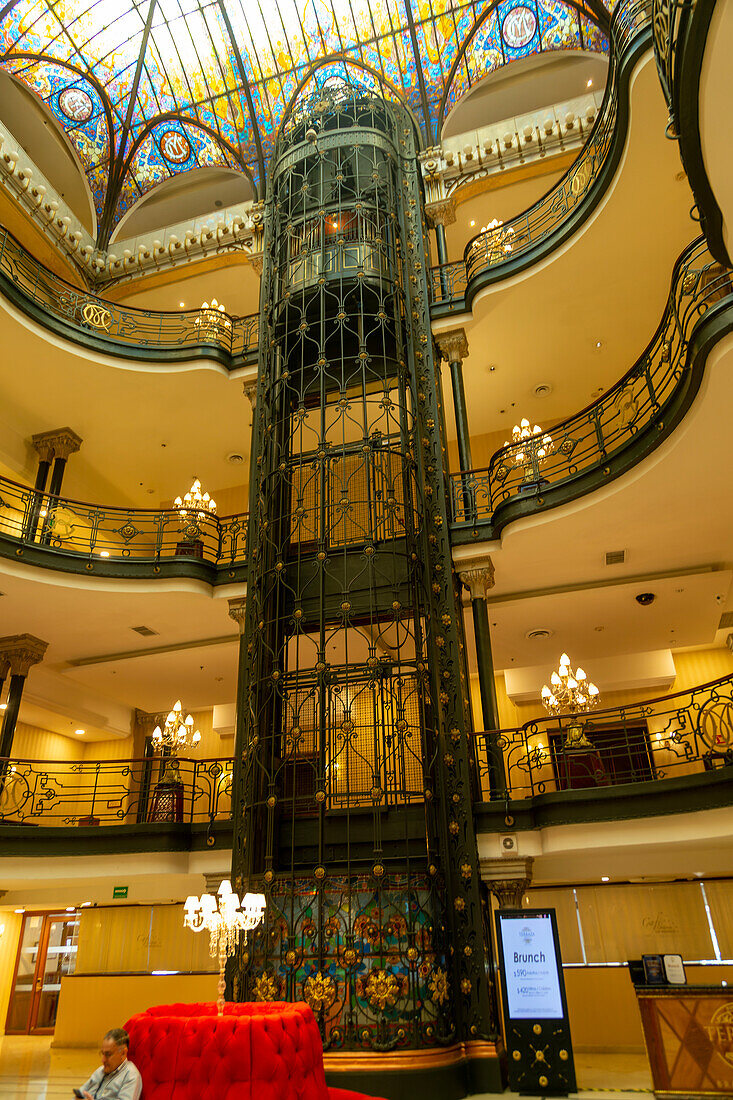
(146, 89)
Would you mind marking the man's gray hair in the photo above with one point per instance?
(119, 1036)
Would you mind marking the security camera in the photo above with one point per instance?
(645, 598)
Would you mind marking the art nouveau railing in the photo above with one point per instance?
(585, 444)
(668, 18)
(499, 248)
(96, 533)
(112, 792)
(684, 734)
(124, 328)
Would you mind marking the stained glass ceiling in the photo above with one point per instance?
(146, 89)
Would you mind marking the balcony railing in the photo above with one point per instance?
(123, 330)
(497, 250)
(623, 425)
(112, 792)
(96, 536)
(678, 735)
(668, 19)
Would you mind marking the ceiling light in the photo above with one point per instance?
(543, 389)
(176, 732)
(104, 553)
(572, 694)
(472, 224)
(3, 706)
(605, 878)
(599, 343)
(589, 84)
(19, 910)
(80, 731)
(70, 908)
(199, 503)
(85, 905)
(182, 305)
(529, 449)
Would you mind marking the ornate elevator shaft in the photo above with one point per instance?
(353, 784)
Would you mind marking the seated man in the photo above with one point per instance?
(116, 1078)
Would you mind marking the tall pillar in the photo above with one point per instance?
(44, 448)
(440, 213)
(508, 879)
(66, 443)
(453, 347)
(17, 654)
(238, 612)
(478, 581)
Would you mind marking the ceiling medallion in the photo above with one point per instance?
(519, 27)
(76, 104)
(175, 146)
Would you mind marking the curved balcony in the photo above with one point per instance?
(680, 37)
(77, 537)
(663, 755)
(498, 253)
(670, 754)
(122, 331)
(617, 431)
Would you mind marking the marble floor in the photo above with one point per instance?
(31, 1070)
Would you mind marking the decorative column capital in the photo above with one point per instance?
(478, 579)
(61, 442)
(249, 389)
(238, 611)
(19, 652)
(507, 879)
(441, 212)
(452, 345)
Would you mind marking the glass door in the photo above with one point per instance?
(47, 952)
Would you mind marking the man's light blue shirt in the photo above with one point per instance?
(125, 1083)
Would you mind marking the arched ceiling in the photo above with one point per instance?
(148, 88)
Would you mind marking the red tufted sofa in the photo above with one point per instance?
(263, 1051)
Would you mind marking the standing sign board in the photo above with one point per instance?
(535, 1008)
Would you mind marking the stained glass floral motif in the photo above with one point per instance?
(228, 69)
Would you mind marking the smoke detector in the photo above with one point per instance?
(538, 635)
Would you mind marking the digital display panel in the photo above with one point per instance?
(530, 966)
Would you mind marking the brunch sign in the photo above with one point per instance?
(530, 967)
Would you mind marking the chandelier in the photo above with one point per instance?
(224, 918)
(495, 240)
(195, 501)
(530, 448)
(570, 693)
(177, 732)
(212, 321)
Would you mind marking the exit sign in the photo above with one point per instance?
(119, 891)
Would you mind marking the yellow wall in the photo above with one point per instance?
(8, 952)
(88, 1007)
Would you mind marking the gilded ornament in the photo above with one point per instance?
(438, 986)
(412, 954)
(468, 951)
(382, 989)
(459, 904)
(319, 991)
(466, 985)
(454, 828)
(290, 958)
(537, 1029)
(543, 1081)
(320, 873)
(516, 1055)
(466, 870)
(266, 987)
(377, 870)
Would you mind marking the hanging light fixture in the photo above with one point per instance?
(224, 918)
(495, 241)
(530, 448)
(177, 732)
(212, 322)
(570, 692)
(195, 501)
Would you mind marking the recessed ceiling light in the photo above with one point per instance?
(699, 874)
(599, 343)
(605, 878)
(104, 553)
(472, 224)
(3, 706)
(70, 908)
(85, 905)
(538, 634)
(589, 84)
(80, 731)
(19, 910)
(235, 458)
(543, 389)
(182, 304)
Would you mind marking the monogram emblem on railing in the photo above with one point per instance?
(581, 177)
(715, 724)
(95, 314)
(128, 531)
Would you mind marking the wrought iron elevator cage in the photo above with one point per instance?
(353, 781)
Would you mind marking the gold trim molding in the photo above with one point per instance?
(402, 1060)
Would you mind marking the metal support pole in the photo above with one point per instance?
(459, 403)
(10, 718)
(57, 476)
(44, 465)
(477, 581)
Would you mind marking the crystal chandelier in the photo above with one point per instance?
(497, 241)
(212, 322)
(177, 732)
(530, 448)
(570, 693)
(195, 501)
(225, 918)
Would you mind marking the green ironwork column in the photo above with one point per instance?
(352, 792)
(440, 213)
(478, 581)
(453, 347)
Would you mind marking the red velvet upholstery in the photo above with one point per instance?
(263, 1051)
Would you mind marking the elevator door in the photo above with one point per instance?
(47, 952)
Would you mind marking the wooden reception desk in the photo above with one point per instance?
(689, 1039)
